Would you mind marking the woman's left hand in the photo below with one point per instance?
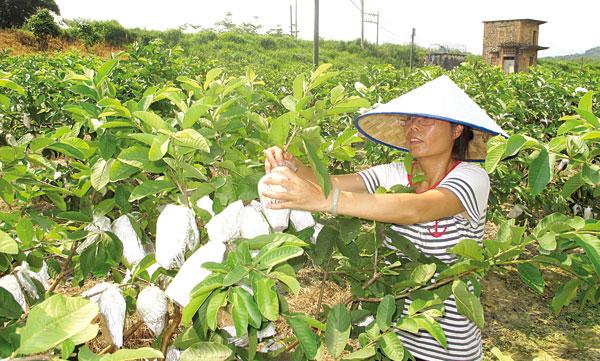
(301, 194)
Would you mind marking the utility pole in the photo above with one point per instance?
(291, 23)
(316, 36)
(362, 23)
(412, 49)
(296, 20)
(377, 27)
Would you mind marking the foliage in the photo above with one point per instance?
(43, 26)
(14, 13)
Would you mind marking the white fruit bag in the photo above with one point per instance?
(112, 307)
(132, 245)
(10, 283)
(226, 226)
(25, 280)
(152, 306)
(206, 203)
(99, 225)
(317, 227)
(41, 275)
(176, 230)
(253, 222)
(192, 273)
(277, 218)
(301, 220)
(173, 354)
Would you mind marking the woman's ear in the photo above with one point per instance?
(457, 130)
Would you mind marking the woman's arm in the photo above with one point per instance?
(404, 208)
(345, 182)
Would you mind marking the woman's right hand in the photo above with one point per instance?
(276, 157)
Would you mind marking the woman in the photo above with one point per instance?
(444, 130)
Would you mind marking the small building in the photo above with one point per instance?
(446, 57)
(511, 44)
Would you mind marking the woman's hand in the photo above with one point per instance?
(277, 157)
(300, 194)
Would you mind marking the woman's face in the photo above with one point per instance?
(426, 137)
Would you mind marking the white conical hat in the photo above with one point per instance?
(439, 99)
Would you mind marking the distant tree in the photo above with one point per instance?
(14, 13)
(43, 26)
(225, 24)
(277, 30)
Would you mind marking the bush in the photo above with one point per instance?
(43, 26)
(86, 31)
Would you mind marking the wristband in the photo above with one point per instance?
(334, 201)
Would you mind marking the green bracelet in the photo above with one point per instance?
(334, 201)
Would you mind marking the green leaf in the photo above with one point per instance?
(255, 318)
(278, 255)
(289, 281)
(496, 147)
(159, 147)
(218, 300)
(206, 351)
(468, 248)
(531, 276)
(572, 184)
(9, 307)
(518, 142)
(308, 340)
(239, 314)
(564, 295)
(192, 139)
(385, 312)
(585, 103)
(467, 303)
(133, 354)
(349, 105)
(318, 167)
(591, 246)
(105, 70)
(434, 329)
(193, 114)
(540, 172)
(392, 346)
(338, 329)
(25, 230)
(101, 173)
(53, 321)
(234, 276)
(548, 241)
(279, 130)
(211, 75)
(423, 273)
(7, 244)
(362, 354)
(9, 84)
(148, 188)
(151, 119)
(299, 87)
(266, 297)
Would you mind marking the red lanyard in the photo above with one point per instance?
(435, 231)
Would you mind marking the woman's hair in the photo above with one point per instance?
(461, 144)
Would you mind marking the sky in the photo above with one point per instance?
(571, 26)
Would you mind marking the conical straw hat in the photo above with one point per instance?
(439, 99)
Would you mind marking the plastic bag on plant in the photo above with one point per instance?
(301, 220)
(99, 225)
(176, 230)
(112, 307)
(253, 222)
(152, 306)
(206, 203)
(226, 226)
(277, 218)
(10, 283)
(25, 280)
(192, 273)
(132, 245)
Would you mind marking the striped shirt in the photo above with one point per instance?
(470, 183)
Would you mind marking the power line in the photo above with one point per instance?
(356, 6)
